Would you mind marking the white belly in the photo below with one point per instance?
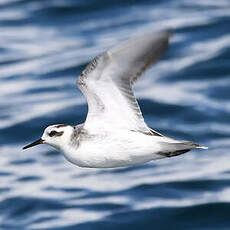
(115, 151)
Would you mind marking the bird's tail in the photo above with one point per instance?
(178, 148)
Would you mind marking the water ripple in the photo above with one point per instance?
(44, 46)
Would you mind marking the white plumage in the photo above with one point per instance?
(114, 133)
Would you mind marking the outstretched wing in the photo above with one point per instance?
(107, 83)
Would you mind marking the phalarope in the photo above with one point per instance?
(114, 133)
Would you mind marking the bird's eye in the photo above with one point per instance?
(52, 133)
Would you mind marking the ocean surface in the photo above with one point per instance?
(44, 45)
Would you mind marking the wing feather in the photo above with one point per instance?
(107, 83)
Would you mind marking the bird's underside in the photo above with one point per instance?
(117, 148)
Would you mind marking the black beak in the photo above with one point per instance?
(40, 141)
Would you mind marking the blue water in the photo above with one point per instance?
(44, 45)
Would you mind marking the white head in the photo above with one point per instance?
(54, 135)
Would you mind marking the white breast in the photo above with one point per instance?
(115, 150)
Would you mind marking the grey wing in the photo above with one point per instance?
(107, 82)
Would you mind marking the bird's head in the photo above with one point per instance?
(54, 135)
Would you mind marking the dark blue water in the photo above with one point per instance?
(44, 45)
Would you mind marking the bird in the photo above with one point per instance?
(114, 133)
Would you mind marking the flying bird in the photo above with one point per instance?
(114, 133)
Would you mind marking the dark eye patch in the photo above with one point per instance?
(55, 133)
